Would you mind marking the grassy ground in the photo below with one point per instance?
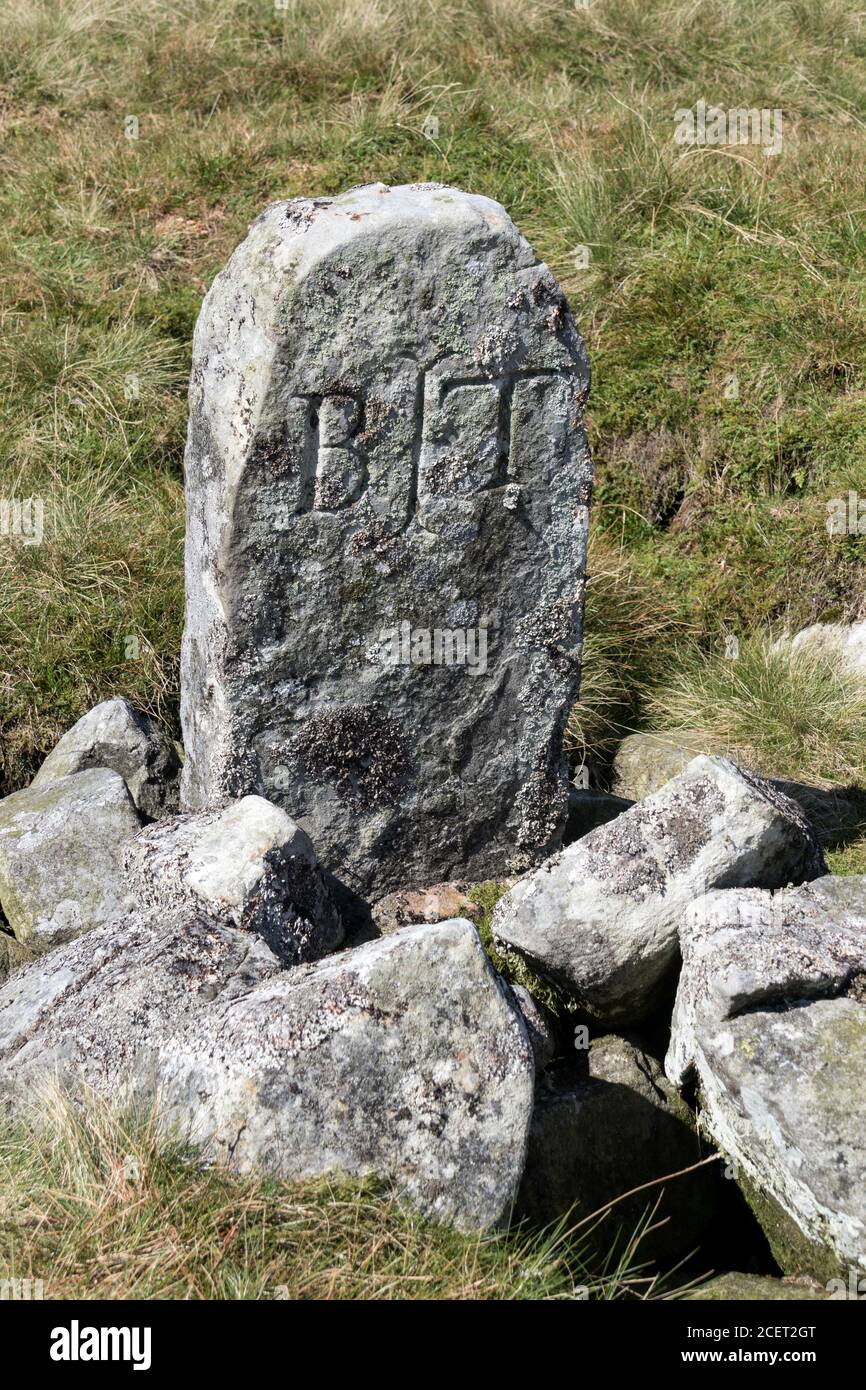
(97, 1206)
(722, 295)
(704, 264)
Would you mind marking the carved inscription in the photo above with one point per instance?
(333, 469)
(472, 434)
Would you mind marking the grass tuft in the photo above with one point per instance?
(801, 717)
(99, 1205)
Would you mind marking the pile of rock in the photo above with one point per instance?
(219, 989)
(218, 981)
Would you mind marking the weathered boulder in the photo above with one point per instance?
(601, 917)
(594, 1139)
(97, 1010)
(61, 850)
(736, 1287)
(248, 865)
(116, 736)
(842, 644)
(771, 1020)
(645, 762)
(410, 906)
(402, 1057)
(387, 486)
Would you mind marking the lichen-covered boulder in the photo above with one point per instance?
(618, 1127)
(61, 848)
(116, 736)
(644, 762)
(247, 865)
(601, 918)
(770, 1021)
(402, 1057)
(387, 488)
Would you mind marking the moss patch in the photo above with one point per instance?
(793, 1253)
(509, 964)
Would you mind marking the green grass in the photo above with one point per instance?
(703, 263)
(766, 707)
(98, 1205)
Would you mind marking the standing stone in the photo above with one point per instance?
(387, 506)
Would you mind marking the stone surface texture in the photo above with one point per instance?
(756, 1288)
(409, 906)
(61, 851)
(770, 1022)
(403, 1057)
(386, 444)
(645, 762)
(247, 865)
(601, 918)
(116, 736)
(843, 644)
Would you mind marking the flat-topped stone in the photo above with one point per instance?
(387, 504)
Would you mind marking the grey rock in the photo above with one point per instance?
(116, 736)
(402, 1058)
(248, 865)
(539, 1025)
(842, 644)
(385, 446)
(97, 1010)
(770, 1020)
(61, 848)
(601, 917)
(619, 1128)
(645, 762)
